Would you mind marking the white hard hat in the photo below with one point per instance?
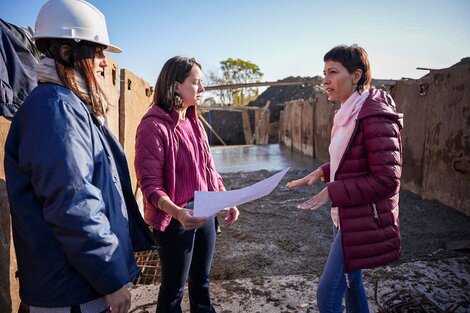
(73, 19)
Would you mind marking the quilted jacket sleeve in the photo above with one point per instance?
(326, 171)
(149, 161)
(382, 144)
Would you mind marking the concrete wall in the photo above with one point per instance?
(285, 126)
(307, 138)
(111, 89)
(413, 106)
(228, 125)
(436, 135)
(324, 112)
(134, 102)
(306, 125)
(9, 297)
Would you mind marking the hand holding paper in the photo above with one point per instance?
(208, 203)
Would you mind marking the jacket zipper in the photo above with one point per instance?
(342, 159)
(346, 275)
(374, 209)
(375, 212)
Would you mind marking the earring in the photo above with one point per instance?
(178, 102)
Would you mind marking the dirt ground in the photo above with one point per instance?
(272, 259)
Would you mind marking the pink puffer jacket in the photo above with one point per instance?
(366, 186)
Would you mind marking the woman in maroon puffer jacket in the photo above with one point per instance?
(363, 180)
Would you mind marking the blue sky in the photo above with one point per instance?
(284, 38)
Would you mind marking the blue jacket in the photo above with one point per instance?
(68, 184)
(17, 59)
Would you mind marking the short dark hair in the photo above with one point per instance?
(175, 69)
(352, 58)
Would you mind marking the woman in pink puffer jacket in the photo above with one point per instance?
(363, 180)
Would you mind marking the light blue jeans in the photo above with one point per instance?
(332, 286)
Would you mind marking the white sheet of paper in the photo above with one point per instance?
(208, 203)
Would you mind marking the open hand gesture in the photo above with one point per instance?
(316, 201)
(309, 180)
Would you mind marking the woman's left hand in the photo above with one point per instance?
(316, 201)
(231, 216)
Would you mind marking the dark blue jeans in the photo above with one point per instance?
(332, 286)
(185, 256)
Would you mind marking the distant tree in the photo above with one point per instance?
(236, 71)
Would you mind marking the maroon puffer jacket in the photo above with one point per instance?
(366, 185)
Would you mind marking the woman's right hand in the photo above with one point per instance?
(309, 180)
(119, 301)
(188, 220)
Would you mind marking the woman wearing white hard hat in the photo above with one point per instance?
(75, 222)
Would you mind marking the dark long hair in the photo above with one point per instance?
(81, 60)
(175, 69)
(352, 58)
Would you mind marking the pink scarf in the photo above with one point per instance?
(344, 123)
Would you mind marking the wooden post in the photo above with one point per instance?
(287, 128)
(307, 143)
(247, 127)
(211, 129)
(281, 127)
(264, 130)
(255, 136)
(296, 122)
(261, 124)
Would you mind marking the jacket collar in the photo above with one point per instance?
(171, 118)
(380, 103)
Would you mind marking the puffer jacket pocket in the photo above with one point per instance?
(375, 213)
